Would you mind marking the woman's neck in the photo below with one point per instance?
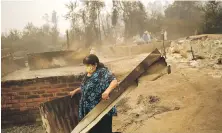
(89, 74)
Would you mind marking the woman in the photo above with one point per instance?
(97, 84)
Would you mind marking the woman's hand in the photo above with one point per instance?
(105, 95)
(72, 93)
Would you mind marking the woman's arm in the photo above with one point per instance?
(112, 86)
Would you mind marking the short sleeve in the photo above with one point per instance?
(109, 76)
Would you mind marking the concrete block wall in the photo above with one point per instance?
(20, 99)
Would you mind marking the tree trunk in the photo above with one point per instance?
(100, 38)
(67, 39)
(104, 30)
(60, 115)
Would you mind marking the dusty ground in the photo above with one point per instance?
(33, 128)
(186, 101)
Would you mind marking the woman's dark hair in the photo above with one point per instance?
(93, 60)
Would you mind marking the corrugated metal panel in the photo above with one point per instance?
(60, 115)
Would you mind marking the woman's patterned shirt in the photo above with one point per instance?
(92, 88)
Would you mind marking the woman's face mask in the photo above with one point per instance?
(90, 68)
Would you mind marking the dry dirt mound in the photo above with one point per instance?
(186, 101)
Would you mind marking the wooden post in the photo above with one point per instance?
(191, 49)
(60, 115)
(164, 51)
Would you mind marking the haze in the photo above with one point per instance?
(17, 13)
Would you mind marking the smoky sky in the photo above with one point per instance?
(15, 14)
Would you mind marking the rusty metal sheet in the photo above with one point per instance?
(60, 115)
(103, 107)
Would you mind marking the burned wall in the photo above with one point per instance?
(8, 65)
(48, 59)
(21, 99)
(55, 59)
